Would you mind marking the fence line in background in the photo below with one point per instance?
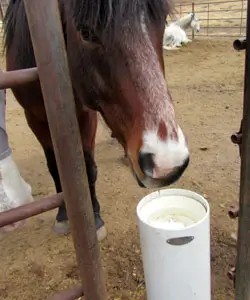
(3, 4)
(3, 7)
(218, 18)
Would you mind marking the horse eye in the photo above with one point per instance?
(89, 35)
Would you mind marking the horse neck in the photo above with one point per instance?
(184, 22)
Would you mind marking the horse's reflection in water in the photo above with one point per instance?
(116, 62)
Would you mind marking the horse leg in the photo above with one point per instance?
(62, 224)
(41, 131)
(88, 127)
(185, 39)
(92, 178)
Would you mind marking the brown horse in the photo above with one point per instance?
(116, 63)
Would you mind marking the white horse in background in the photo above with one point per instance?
(175, 35)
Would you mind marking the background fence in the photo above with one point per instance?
(3, 7)
(218, 18)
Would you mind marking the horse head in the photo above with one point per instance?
(121, 74)
(195, 23)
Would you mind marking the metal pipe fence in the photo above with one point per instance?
(217, 18)
(3, 8)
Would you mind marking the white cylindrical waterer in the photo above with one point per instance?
(174, 228)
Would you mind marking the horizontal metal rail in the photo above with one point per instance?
(215, 2)
(223, 27)
(12, 79)
(36, 208)
(220, 19)
(29, 210)
(217, 35)
(214, 10)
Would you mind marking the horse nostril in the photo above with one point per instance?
(185, 164)
(146, 163)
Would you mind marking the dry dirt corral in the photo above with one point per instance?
(206, 80)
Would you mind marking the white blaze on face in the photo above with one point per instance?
(162, 137)
(167, 153)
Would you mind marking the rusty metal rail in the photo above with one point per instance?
(216, 17)
(45, 25)
(29, 210)
(49, 48)
(241, 274)
(12, 79)
(243, 248)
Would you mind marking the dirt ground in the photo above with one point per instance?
(206, 80)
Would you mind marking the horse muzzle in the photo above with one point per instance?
(171, 177)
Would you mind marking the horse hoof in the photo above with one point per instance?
(234, 237)
(124, 160)
(62, 227)
(113, 141)
(100, 227)
(101, 233)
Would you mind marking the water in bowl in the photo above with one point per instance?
(171, 218)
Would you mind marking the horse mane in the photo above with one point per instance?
(107, 17)
(17, 34)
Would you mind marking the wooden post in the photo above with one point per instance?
(49, 48)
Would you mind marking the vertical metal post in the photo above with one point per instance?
(242, 284)
(193, 13)
(241, 15)
(4, 4)
(49, 47)
(208, 16)
(1, 12)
